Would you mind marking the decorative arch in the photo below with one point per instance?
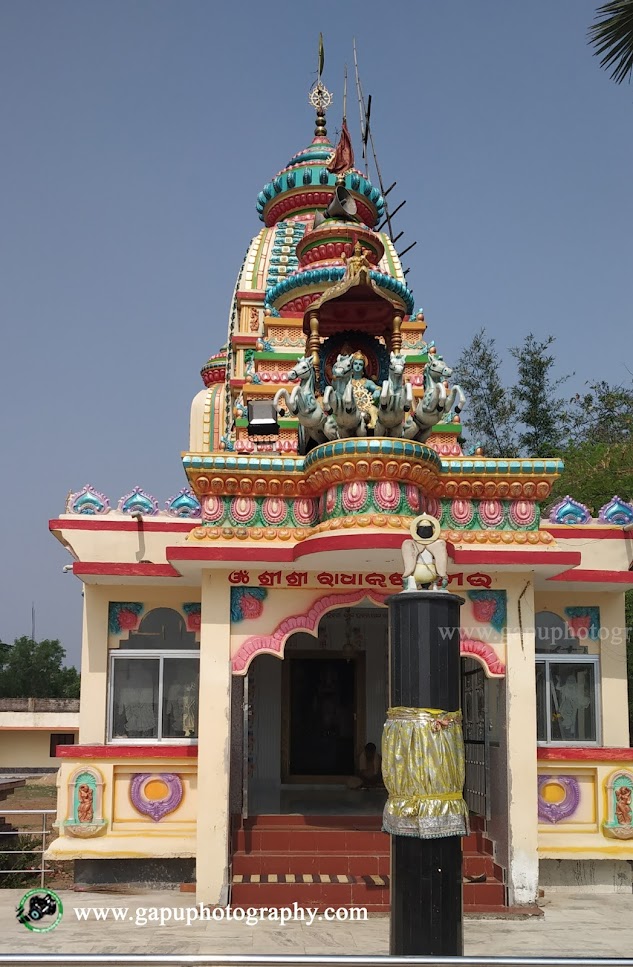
(308, 622)
(484, 653)
(619, 792)
(85, 803)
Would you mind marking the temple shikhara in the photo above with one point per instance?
(235, 646)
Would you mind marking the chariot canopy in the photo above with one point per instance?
(355, 302)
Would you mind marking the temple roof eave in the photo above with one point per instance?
(359, 294)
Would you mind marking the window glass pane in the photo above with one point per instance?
(572, 701)
(180, 698)
(135, 698)
(541, 702)
(553, 635)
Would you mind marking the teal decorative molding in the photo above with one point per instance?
(490, 607)
(584, 622)
(616, 511)
(124, 616)
(247, 603)
(138, 502)
(193, 613)
(87, 501)
(184, 504)
(569, 511)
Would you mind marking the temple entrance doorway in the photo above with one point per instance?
(323, 715)
(312, 714)
(475, 729)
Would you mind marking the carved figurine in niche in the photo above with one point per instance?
(345, 417)
(425, 556)
(358, 262)
(623, 805)
(85, 809)
(619, 790)
(365, 391)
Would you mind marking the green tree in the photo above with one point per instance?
(592, 432)
(490, 414)
(35, 669)
(528, 419)
(612, 38)
(595, 472)
(541, 412)
(603, 414)
(598, 455)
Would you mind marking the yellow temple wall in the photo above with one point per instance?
(597, 553)
(611, 647)
(521, 740)
(214, 742)
(581, 831)
(122, 831)
(122, 546)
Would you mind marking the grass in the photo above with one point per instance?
(31, 792)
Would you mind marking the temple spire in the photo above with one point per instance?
(319, 97)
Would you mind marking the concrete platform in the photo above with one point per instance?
(573, 925)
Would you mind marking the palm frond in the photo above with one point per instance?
(612, 38)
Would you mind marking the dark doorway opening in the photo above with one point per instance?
(323, 693)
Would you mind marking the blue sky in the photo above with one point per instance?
(135, 137)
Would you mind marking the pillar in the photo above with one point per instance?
(396, 339)
(214, 737)
(521, 742)
(426, 874)
(314, 344)
(93, 708)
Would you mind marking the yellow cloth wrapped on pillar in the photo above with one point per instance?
(423, 769)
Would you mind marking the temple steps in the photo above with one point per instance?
(340, 861)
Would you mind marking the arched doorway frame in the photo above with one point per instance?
(308, 622)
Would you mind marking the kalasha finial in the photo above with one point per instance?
(320, 99)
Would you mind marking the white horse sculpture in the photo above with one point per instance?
(396, 399)
(303, 403)
(345, 418)
(437, 402)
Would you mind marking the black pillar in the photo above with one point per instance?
(426, 874)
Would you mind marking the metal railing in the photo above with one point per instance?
(41, 831)
(118, 960)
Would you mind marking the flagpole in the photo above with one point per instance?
(345, 96)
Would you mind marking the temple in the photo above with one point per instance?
(235, 652)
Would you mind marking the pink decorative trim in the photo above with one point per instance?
(89, 523)
(484, 654)
(309, 621)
